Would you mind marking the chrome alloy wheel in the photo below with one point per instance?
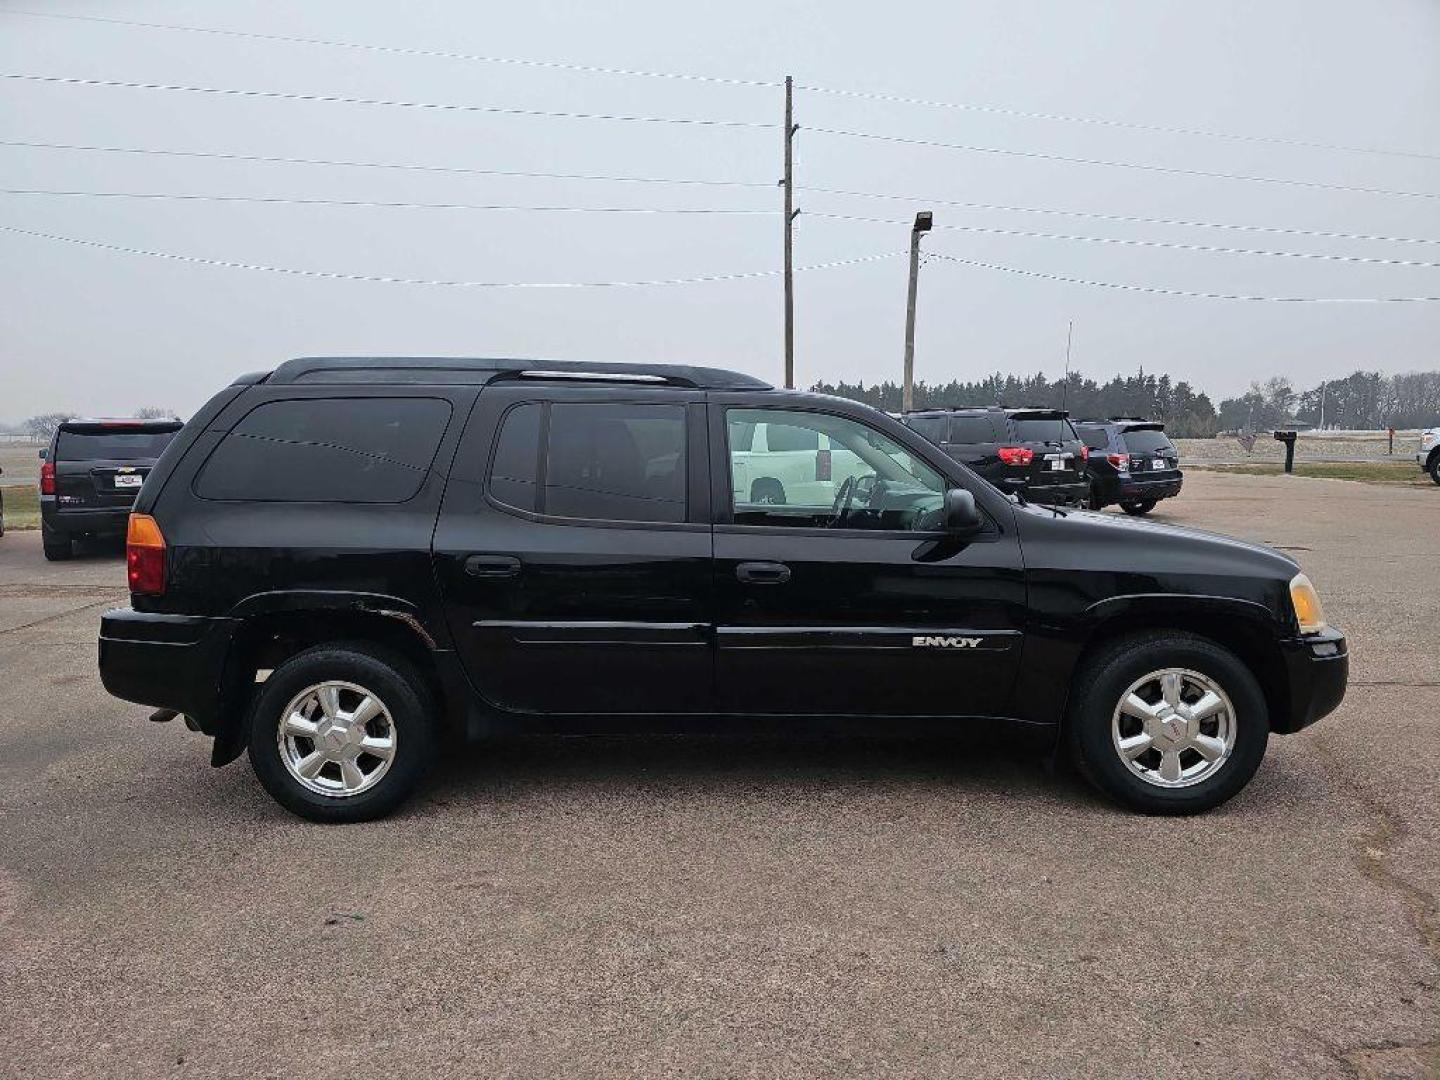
(1174, 727)
(336, 739)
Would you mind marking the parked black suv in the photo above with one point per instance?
(90, 475)
(1131, 462)
(1035, 452)
(339, 562)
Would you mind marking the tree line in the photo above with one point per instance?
(1365, 399)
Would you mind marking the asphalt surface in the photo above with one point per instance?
(728, 908)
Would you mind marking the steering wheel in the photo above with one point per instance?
(840, 508)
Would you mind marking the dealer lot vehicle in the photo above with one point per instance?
(1034, 452)
(343, 562)
(90, 475)
(1131, 462)
(1428, 456)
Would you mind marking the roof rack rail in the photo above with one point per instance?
(598, 376)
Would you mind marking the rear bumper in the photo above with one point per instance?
(109, 521)
(167, 661)
(1075, 492)
(1137, 488)
(1317, 668)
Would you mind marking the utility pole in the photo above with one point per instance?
(923, 221)
(1065, 385)
(1322, 406)
(789, 184)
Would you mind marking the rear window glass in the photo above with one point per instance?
(1095, 438)
(111, 445)
(1053, 429)
(971, 429)
(347, 450)
(620, 462)
(1147, 441)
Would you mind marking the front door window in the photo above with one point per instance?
(815, 470)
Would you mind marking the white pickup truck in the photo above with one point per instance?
(784, 464)
(1428, 456)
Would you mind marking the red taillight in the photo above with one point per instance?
(1084, 453)
(822, 464)
(1016, 455)
(1120, 461)
(145, 555)
(47, 478)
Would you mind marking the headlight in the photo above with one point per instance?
(1307, 605)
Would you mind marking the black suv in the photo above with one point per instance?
(90, 475)
(339, 563)
(1034, 452)
(1131, 462)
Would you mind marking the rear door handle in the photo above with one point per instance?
(763, 573)
(492, 566)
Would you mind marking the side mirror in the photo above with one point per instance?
(961, 514)
(44, 453)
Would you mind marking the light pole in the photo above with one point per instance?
(923, 220)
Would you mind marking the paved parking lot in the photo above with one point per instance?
(718, 908)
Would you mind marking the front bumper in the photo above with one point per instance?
(1317, 667)
(167, 661)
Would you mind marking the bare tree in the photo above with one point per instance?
(42, 427)
(153, 412)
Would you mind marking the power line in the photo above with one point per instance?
(1128, 219)
(1163, 129)
(1169, 169)
(1183, 292)
(1208, 248)
(866, 95)
(336, 99)
(336, 276)
(384, 204)
(271, 159)
(438, 54)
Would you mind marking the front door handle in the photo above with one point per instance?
(763, 573)
(492, 566)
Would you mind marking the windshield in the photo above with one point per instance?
(111, 445)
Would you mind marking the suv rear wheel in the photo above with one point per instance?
(1435, 468)
(56, 548)
(342, 733)
(1171, 724)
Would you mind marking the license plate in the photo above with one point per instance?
(1057, 464)
(1158, 463)
(129, 480)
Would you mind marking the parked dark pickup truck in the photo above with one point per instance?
(341, 562)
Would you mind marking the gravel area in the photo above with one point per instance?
(783, 907)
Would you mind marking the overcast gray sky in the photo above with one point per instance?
(102, 332)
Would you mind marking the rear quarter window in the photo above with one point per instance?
(971, 429)
(1095, 438)
(932, 427)
(1052, 429)
(327, 450)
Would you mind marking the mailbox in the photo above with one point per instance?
(1288, 438)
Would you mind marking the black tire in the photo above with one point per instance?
(1096, 695)
(767, 491)
(383, 674)
(1434, 468)
(1096, 502)
(1138, 508)
(56, 550)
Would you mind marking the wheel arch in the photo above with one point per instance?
(272, 627)
(1245, 628)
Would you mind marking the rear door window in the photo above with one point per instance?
(327, 450)
(932, 427)
(1095, 438)
(1147, 441)
(111, 445)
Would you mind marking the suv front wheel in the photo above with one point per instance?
(342, 733)
(1169, 724)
